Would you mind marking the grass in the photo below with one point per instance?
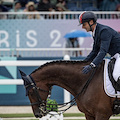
(31, 115)
(26, 119)
(73, 115)
(16, 115)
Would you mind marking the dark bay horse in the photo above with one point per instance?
(67, 74)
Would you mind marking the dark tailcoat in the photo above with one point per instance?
(106, 40)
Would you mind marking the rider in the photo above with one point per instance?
(106, 40)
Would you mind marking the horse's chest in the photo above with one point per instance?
(85, 105)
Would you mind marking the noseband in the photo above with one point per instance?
(32, 85)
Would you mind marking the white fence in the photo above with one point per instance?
(28, 63)
(19, 51)
(58, 15)
(11, 82)
(19, 63)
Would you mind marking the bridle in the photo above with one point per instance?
(32, 85)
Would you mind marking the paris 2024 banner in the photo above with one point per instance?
(44, 33)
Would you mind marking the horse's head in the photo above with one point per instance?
(37, 95)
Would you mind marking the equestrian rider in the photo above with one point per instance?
(106, 40)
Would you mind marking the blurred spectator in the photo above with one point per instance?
(72, 43)
(2, 16)
(43, 5)
(30, 7)
(60, 7)
(116, 16)
(51, 9)
(117, 7)
(26, 8)
(109, 5)
(63, 2)
(16, 8)
(3, 9)
(99, 4)
(53, 2)
(24, 2)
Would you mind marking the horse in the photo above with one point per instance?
(93, 101)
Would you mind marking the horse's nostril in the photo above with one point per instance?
(38, 115)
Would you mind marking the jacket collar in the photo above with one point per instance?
(93, 33)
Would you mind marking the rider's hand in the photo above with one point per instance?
(88, 68)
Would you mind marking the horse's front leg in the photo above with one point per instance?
(88, 117)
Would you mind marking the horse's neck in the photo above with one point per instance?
(68, 77)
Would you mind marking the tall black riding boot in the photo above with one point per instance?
(118, 84)
(118, 81)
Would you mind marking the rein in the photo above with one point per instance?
(35, 89)
(83, 90)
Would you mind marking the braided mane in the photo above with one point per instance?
(58, 62)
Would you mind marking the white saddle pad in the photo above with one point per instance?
(109, 90)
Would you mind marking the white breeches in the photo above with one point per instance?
(116, 71)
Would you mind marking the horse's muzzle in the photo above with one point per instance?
(37, 115)
(40, 112)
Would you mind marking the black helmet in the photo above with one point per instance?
(86, 17)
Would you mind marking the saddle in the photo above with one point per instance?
(116, 85)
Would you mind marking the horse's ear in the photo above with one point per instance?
(22, 73)
(24, 77)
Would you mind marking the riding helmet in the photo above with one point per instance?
(86, 16)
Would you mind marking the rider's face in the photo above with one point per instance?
(86, 26)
